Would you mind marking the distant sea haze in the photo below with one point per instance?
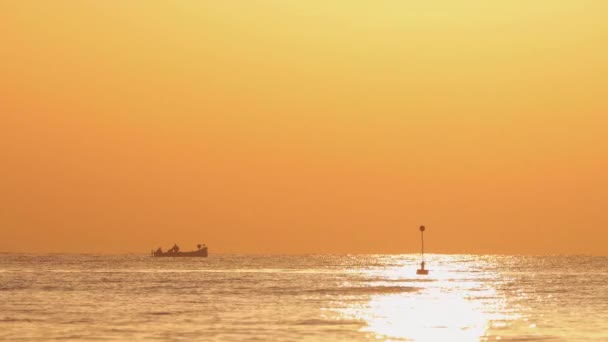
(308, 298)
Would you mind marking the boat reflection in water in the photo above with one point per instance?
(448, 306)
(202, 251)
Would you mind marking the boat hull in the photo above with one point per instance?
(201, 253)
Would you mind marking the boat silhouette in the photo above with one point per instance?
(202, 251)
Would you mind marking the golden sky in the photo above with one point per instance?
(304, 126)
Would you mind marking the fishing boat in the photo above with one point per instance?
(422, 270)
(201, 252)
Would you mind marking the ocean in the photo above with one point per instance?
(303, 298)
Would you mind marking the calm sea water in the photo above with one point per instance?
(299, 298)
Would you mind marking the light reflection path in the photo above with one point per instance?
(453, 303)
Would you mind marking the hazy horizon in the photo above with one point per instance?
(146, 253)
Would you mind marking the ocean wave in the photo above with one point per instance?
(8, 287)
(21, 320)
(403, 280)
(320, 321)
(354, 290)
(236, 270)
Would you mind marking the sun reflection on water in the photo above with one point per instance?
(453, 303)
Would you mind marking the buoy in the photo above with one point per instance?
(422, 270)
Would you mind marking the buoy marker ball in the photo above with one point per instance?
(422, 228)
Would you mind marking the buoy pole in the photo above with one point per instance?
(422, 270)
(422, 239)
(422, 229)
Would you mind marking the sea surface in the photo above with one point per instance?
(303, 298)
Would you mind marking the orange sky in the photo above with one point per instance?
(304, 126)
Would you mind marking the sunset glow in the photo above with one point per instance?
(304, 126)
